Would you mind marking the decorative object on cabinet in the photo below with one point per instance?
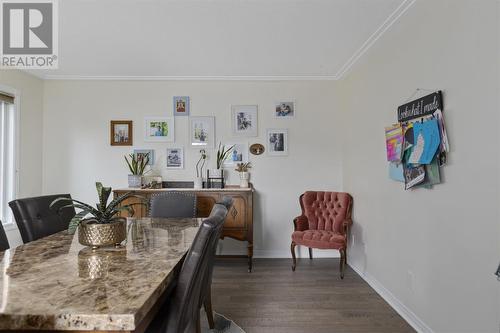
(239, 154)
(277, 142)
(137, 166)
(242, 169)
(215, 180)
(154, 182)
(175, 158)
(202, 131)
(244, 120)
(257, 149)
(141, 154)
(239, 220)
(284, 109)
(159, 129)
(103, 225)
(198, 182)
(121, 133)
(323, 224)
(181, 105)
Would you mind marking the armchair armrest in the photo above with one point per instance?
(301, 223)
(346, 224)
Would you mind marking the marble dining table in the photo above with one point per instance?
(55, 284)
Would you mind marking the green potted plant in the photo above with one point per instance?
(102, 225)
(242, 168)
(137, 166)
(222, 155)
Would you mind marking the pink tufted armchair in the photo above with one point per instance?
(325, 220)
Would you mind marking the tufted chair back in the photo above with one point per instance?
(326, 210)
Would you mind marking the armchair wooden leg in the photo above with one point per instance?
(208, 309)
(343, 256)
(310, 253)
(292, 249)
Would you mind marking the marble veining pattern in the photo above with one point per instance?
(57, 284)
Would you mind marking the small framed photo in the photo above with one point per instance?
(175, 158)
(121, 133)
(284, 109)
(159, 129)
(141, 154)
(244, 120)
(239, 154)
(277, 142)
(202, 132)
(181, 105)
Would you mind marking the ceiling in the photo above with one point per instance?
(210, 39)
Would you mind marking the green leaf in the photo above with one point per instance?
(75, 221)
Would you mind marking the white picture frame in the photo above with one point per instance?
(239, 154)
(277, 142)
(159, 129)
(202, 132)
(285, 109)
(174, 158)
(244, 119)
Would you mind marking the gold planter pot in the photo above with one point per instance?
(98, 235)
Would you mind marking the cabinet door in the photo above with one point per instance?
(205, 202)
(237, 215)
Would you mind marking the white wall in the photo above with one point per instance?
(77, 151)
(30, 136)
(446, 237)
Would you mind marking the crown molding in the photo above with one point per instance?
(398, 12)
(391, 19)
(195, 78)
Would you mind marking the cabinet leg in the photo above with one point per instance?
(250, 257)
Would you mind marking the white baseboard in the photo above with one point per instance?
(395, 303)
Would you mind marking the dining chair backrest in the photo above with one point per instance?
(173, 205)
(184, 309)
(35, 219)
(4, 242)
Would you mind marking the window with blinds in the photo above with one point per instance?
(7, 156)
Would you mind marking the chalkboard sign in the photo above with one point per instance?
(420, 107)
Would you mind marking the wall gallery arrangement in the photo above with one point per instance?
(244, 120)
(417, 145)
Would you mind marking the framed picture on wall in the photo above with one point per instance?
(239, 154)
(202, 132)
(277, 142)
(175, 158)
(244, 120)
(181, 105)
(121, 133)
(159, 129)
(141, 154)
(284, 109)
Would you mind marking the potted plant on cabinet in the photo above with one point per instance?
(100, 226)
(137, 166)
(198, 181)
(242, 168)
(222, 155)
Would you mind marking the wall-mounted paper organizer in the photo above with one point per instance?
(417, 146)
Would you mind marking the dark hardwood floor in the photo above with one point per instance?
(312, 299)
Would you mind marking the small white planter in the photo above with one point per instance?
(244, 177)
(134, 181)
(198, 183)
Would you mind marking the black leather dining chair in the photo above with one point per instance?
(4, 242)
(181, 312)
(206, 297)
(173, 204)
(35, 219)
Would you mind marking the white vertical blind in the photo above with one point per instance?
(7, 159)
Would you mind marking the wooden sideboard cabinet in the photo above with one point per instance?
(239, 220)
